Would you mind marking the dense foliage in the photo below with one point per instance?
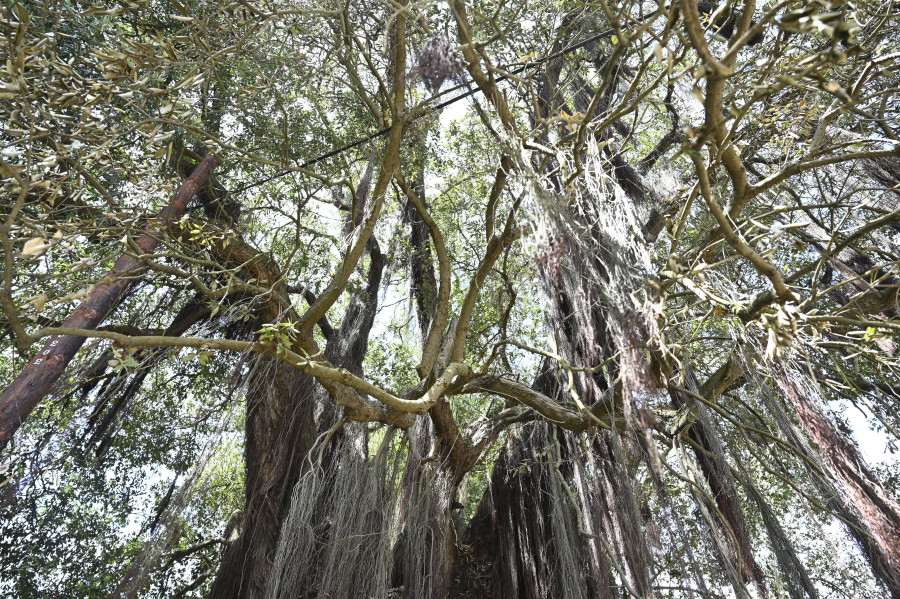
(551, 298)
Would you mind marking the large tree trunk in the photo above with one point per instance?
(527, 533)
(859, 485)
(286, 411)
(280, 430)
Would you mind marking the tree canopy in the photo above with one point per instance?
(463, 298)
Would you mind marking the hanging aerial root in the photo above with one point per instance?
(336, 541)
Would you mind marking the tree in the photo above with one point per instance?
(496, 300)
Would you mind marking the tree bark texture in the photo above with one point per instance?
(860, 486)
(280, 430)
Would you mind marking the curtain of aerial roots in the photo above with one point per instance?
(718, 499)
(848, 488)
(346, 535)
(565, 517)
(548, 515)
(425, 545)
(593, 260)
(839, 498)
(336, 538)
(714, 486)
(595, 263)
(793, 573)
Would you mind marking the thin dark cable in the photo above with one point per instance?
(386, 130)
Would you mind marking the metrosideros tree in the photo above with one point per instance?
(554, 299)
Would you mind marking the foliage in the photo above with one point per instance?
(620, 292)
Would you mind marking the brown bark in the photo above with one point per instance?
(861, 488)
(286, 410)
(516, 540)
(280, 430)
(39, 375)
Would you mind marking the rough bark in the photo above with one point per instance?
(286, 411)
(280, 430)
(523, 528)
(860, 487)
